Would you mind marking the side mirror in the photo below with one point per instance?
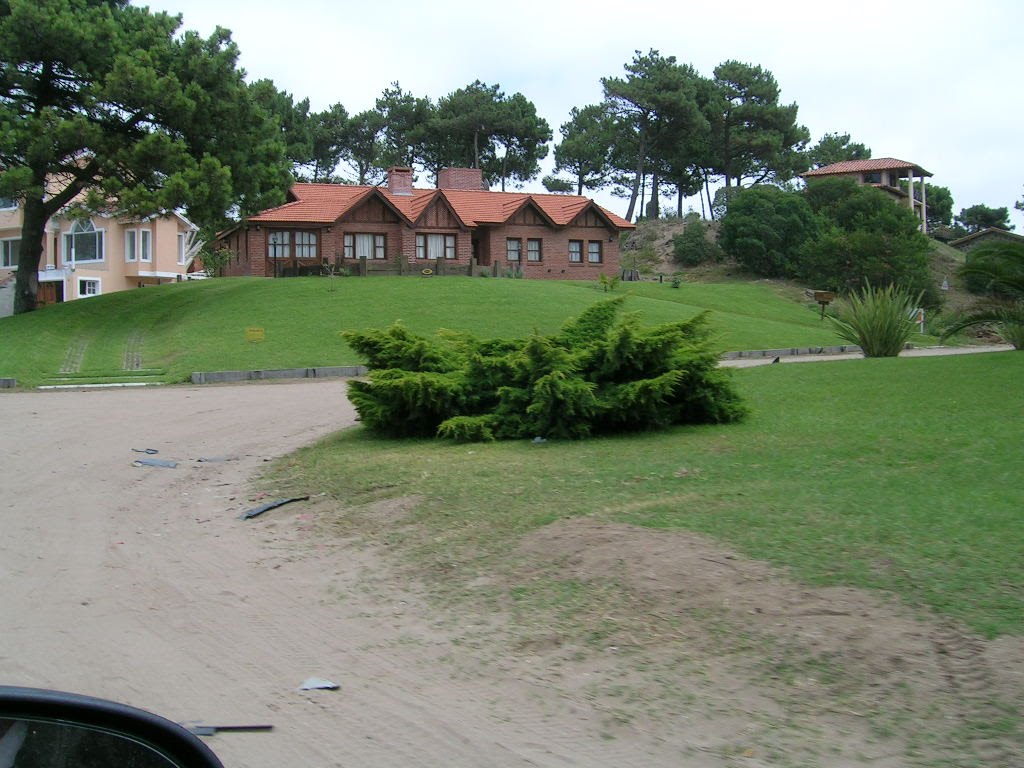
(50, 729)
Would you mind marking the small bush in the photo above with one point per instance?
(692, 247)
(880, 320)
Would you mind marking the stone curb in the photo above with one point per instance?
(323, 372)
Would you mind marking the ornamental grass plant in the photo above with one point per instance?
(879, 320)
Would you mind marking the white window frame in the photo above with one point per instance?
(86, 280)
(131, 246)
(69, 243)
(146, 245)
(181, 249)
(437, 245)
(5, 252)
(365, 245)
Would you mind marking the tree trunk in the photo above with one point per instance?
(33, 230)
(638, 179)
(655, 205)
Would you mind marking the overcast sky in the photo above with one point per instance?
(937, 83)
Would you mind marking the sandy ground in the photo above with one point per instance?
(141, 584)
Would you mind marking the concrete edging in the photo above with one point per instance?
(322, 372)
(844, 349)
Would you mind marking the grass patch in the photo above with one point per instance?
(893, 474)
(201, 326)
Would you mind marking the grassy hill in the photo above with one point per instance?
(167, 332)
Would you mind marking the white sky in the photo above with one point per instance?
(936, 83)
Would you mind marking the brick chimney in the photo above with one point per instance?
(400, 181)
(461, 178)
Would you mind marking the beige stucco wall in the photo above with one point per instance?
(114, 272)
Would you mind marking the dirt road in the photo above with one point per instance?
(140, 584)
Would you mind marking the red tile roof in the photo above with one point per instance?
(325, 203)
(866, 166)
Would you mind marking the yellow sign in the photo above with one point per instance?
(254, 334)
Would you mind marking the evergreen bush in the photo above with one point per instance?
(600, 374)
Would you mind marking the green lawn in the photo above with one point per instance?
(896, 474)
(202, 326)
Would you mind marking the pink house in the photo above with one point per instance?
(96, 255)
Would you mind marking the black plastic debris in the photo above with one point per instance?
(256, 511)
(150, 451)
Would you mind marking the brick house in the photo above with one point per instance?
(887, 174)
(457, 228)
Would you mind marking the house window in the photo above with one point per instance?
(145, 245)
(130, 245)
(279, 244)
(181, 248)
(533, 252)
(365, 246)
(594, 251)
(6, 203)
(874, 177)
(88, 288)
(435, 246)
(305, 245)
(513, 248)
(9, 251)
(575, 251)
(83, 243)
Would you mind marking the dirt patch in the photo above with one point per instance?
(767, 667)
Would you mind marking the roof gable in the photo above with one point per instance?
(323, 204)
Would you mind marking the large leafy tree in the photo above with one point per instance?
(657, 110)
(940, 206)
(405, 134)
(979, 217)
(104, 103)
(754, 137)
(328, 136)
(520, 141)
(585, 152)
(766, 227)
(292, 117)
(480, 127)
(834, 148)
(363, 150)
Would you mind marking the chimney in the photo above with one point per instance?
(400, 181)
(461, 178)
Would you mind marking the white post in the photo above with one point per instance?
(924, 207)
